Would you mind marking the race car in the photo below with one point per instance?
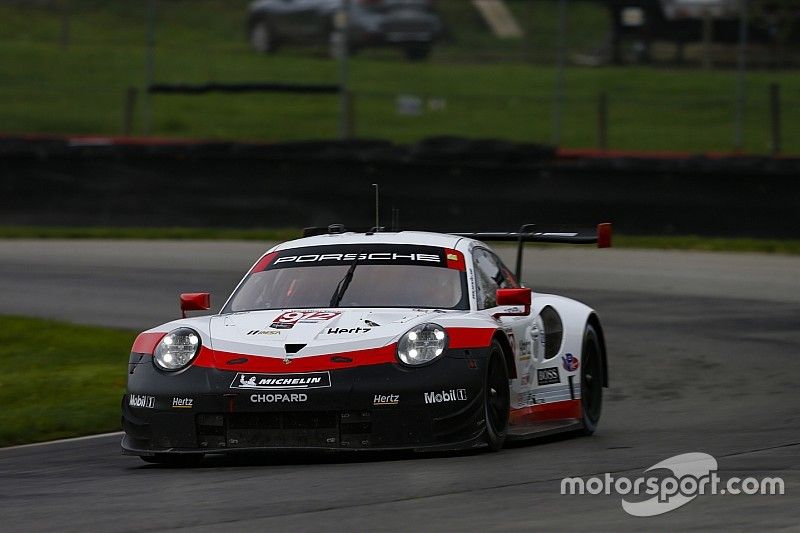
(374, 340)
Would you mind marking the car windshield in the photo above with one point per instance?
(384, 276)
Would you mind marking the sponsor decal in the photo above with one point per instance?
(310, 380)
(370, 254)
(263, 332)
(288, 319)
(548, 376)
(570, 362)
(525, 347)
(182, 403)
(374, 256)
(386, 399)
(453, 395)
(339, 331)
(525, 399)
(138, 400)
(279, 398)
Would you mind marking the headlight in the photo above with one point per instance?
(422, 344)
(177, 349)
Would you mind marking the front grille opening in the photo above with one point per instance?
(293, 348)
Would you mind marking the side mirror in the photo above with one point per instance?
(514, 297)
(195, 301)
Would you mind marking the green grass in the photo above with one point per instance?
(59, 380)
(491, 86)
(709, 244)
(126, 233)
(658, 242)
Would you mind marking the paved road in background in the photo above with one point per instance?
(704, 357)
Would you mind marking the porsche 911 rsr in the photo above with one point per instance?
(374, 340)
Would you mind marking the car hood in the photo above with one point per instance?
(306, 333)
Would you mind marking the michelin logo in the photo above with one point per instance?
(453, 395)
(310, 380)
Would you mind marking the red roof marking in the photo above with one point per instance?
(263, 263)
(457, 263)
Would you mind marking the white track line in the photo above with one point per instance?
(73, 439)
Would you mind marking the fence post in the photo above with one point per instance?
(602, 120)
(349, 115)
(130, 107)
(775, 116)
(708, 39)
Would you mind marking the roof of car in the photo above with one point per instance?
(401, 237)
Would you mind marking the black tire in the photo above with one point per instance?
(591, 381)
(496, 398)
(417, 52)
(262, 38)
(170, 459)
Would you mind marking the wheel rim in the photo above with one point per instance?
(591, 381)
(497, 396)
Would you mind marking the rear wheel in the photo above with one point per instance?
(497, 399)
(591, 380)
(184, 459)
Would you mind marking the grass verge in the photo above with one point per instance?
(59, 380)
(129, 233)
(657, 242)
(474, 84)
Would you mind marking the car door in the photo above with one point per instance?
(523, 331)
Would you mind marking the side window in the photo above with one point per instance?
(490, 274)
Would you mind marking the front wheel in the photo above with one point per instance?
(591, 380)
(497, 399)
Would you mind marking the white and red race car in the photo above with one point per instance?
(374, 340)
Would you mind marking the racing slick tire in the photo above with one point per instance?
(168, 459)
(591, 381)
(497, 398)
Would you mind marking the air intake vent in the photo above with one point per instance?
(293, 348)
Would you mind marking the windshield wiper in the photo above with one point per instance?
(344, 282)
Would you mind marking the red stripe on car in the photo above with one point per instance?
(146, 342)
(209, 358)
(470, 337)
(264, 262)
(455, 259)
(568, 409)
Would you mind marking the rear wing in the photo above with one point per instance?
(601, 235)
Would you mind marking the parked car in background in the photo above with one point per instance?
(411, 25)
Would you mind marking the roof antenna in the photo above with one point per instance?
(377, 218)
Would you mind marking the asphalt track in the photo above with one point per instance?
(704, 357)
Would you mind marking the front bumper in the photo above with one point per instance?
(375, 407)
